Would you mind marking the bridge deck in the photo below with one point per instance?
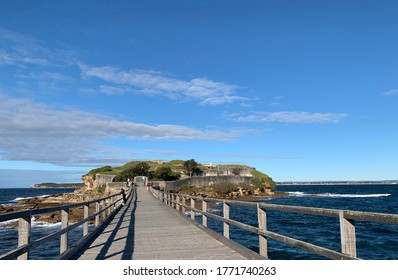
(146, 229)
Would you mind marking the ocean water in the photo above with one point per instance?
(374, 241)
(9, 234)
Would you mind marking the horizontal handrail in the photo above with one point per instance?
(350, 214)
(346, 218)
(105, 207)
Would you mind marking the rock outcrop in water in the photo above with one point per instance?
(79, 195)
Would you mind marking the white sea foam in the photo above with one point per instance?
(30, 197)
(188, 213)
(9, 222)
(352, 195)
(41, 224)
(298, 194)
(338, 195)
(34, 223)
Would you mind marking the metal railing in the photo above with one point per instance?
(346, 220)
(103, 209)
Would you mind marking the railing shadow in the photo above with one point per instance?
(129, 247)
(127, 214)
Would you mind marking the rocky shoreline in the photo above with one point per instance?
(54, 200)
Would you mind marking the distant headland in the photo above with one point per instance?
(57, 186)
(326, 183)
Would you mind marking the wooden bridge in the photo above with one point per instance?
(146, 229)
(153, 225)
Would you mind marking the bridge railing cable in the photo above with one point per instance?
(346, 219)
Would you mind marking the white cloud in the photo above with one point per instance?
(24, 51)
(202, 90)
(35, 132)
(292, 117)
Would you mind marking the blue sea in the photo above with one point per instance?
(9, 235)
(374, 241)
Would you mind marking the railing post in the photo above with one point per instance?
(64, 224)
(178, 202)
(108, 203)
(102, 208)
(226, 216)
(24, 226)
(262, 225)
(97, 217)
(85, 225)
(347, 233)
(192, 209)
(204, 209)
(184, 203)
(172, 200)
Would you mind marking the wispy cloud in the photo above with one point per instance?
(291, 117)
(391, 92)
(202, 90)
(24, 50)
(247, 156)
(36, 132)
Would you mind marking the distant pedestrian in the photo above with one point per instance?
(124, 195)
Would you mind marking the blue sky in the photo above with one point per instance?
(301, 90)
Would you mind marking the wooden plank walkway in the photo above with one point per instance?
(146, 229)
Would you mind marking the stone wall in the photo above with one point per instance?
(115, 187)
(101, 180)
(203, 181)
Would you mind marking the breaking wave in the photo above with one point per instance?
(30, 197)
